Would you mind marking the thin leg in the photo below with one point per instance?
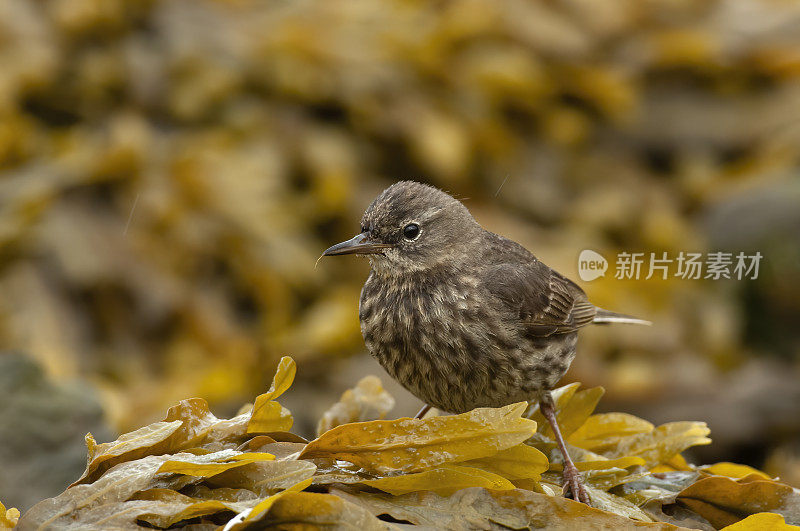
(573, 483)
(422, 411)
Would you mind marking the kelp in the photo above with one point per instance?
(486, 467)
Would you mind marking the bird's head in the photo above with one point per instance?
(411, 227)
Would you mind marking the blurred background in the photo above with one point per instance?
(170, 170)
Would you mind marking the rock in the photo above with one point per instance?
(42, 428)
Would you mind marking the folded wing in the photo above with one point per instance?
(547, 302)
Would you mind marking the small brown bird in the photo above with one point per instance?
(462, 317)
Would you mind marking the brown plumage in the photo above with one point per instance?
(460, 316)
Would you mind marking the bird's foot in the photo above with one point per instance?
(573, 484)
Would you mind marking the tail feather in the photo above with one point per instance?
(605, 317)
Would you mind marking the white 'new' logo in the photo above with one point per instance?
(591, 265)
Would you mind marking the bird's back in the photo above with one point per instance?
(546, 301)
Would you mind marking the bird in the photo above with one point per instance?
(462, 317)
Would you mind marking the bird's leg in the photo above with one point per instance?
(422, 411)
(573, 483)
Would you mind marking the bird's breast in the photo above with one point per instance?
(438, 337)
(419, 315)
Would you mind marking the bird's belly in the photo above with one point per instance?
(459, 356)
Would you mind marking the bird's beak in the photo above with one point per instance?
(356, 245)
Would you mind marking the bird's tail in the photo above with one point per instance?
(605, 317)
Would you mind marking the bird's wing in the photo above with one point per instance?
(548, 303)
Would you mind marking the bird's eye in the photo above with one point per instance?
(411, 231)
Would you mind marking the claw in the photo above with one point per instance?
(573, 485)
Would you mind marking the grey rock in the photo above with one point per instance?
(42, 428)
